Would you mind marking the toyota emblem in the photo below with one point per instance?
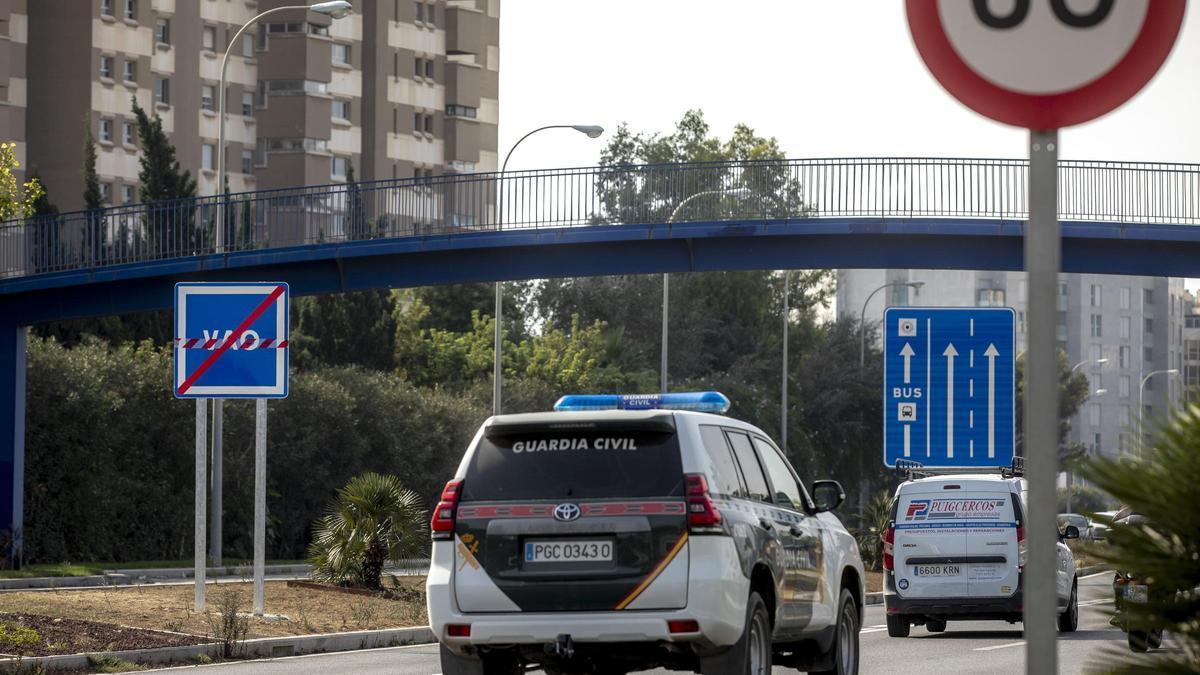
(567, 512)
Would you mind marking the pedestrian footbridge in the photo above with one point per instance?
(1116, 217)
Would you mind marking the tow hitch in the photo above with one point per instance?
(564, 647)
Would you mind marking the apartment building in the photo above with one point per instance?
(1191, 347)
(399, 88)
(1136, 323)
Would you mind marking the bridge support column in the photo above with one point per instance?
(12, 439)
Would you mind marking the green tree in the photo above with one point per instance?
(1161, 546)
(345, 328)
(371, 520)
(160, 178)
(48, 249)
(17, 201)
(1072, 392)
(93, 198)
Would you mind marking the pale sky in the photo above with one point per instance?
(827, 78)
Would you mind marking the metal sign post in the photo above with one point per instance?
(1043, 66)
(214, 543)
(1042, 246)
(231, 341)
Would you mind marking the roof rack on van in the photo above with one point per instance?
(1016, 469)
(910, 469)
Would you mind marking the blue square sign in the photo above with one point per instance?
(949, 386)
(231, 340)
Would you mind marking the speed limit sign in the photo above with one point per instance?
(1044, 64)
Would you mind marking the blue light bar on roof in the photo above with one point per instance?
(696, 401)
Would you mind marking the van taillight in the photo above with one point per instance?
(889, 547)
(442, 525)
(1022, 548)
(702, 512)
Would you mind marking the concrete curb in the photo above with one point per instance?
(1092, 569)
(874, 598)
(142, 576)
(273, 647)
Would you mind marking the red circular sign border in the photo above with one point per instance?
(1164, 18)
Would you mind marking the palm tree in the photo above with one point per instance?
(373, 519)
(1162, 547)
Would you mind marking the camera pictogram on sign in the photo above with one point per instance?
(907, 327)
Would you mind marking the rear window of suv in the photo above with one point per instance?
(584, 464)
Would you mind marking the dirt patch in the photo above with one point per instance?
(171, 608)
(38, 635)
(874, 581)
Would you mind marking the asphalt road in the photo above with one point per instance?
(965, 647)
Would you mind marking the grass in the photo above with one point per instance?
(88, 569)
(171, 608)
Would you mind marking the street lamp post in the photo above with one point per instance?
(589, 130)
(335, 9)
(1099, 362)
(862, 321)
(1141, 393)
(1099, 392)
(737, 192)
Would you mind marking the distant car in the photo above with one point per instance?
(1129, 589)
(955, 549)
(1100, 526)
(627, 533)
(1080, 522)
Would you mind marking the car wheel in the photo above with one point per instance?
(845, 638)
(1139, 640)
(897, 625)
(751, 654)
(1068, 621)
(935, 625)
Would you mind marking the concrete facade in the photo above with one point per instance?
(1137, 323)
(414, 93)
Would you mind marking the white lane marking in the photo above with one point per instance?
(871, 630)
(988, 649)
(1101, 601)
(878, 625)
(1097, 574)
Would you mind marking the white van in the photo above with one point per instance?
(955, 549)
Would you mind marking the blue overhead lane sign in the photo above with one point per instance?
(949, 386)
(231, 340)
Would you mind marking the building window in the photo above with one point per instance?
(1062, 297)
(418, 122)
(454, 110)
(130, 71)
(1097, 325)
(131, 10)
(296, 28)
(337, 167)
(1021, 322)
(1124, 416)
(127, 133)
(340, 110)
(105, 193)
(1094, 414)
(260, 152)
(105, 130)
(1147, 357)
(162, 31)
(248, 103)
(1125, 324)
(1192, 347)
(162, 91)
(423, 67)
(106, 7)
(1097, 295)
(247, 161)
(1149, 326)
(1123, 386)
(291, 87)
(1123, 356)
(294, 144)
(341, 54)
(106, 64)
(1147, 297)
(1125, 298)
(127, 194)
(989, 297)
(207, 156)
(208, 39)
(207, 94)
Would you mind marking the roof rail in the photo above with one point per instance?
(909, 469)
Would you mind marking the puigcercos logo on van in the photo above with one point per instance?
(949, 509)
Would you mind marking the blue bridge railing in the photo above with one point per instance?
(643, 194)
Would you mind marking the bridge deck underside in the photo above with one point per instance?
(934, 243)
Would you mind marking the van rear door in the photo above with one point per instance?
(928, 549)
(577, 514)
(992, 543)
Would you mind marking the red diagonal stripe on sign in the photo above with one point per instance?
(229, 342)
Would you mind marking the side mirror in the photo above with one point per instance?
(1070, 532)
(828, 495)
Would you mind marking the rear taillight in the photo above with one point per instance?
(683, 626)
(442, 525)
(889, 547)
(1022, 549)
(459, 630)
(702, 512)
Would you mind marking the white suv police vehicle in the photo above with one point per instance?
(955, 549)
(632, 532)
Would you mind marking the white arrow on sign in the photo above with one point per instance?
(991, 355)
(950, 353)
(907, 352)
